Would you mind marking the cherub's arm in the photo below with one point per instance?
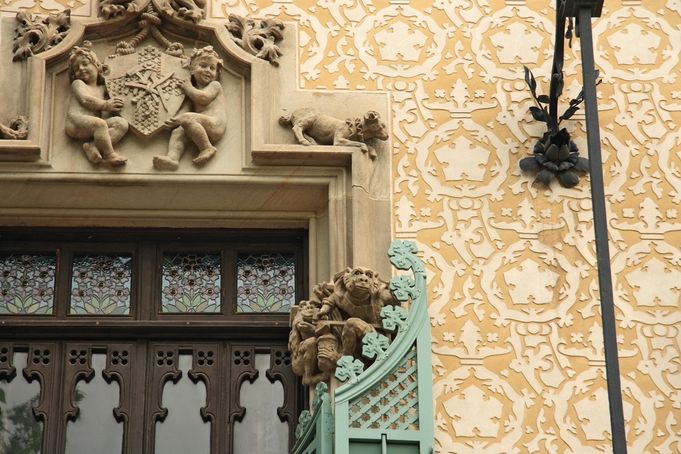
(203, 96)
(93, 103)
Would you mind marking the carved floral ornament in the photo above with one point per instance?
(34, 35)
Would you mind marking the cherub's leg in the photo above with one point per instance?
(198, 128)
(102, 141)
(118, 127)
(176, 146)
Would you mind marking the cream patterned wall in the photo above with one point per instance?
(517, 344)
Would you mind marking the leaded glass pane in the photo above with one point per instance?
(100, 285)
(191, 283)
(27, 284)
(265, 282)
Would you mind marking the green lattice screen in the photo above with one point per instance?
(392, 403)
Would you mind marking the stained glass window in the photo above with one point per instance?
(265, 282)
(100, 284)
(191, 283)
(27, 284)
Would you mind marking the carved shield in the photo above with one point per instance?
(148, 81)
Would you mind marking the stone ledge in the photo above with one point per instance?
(303, 155)
(19, 151)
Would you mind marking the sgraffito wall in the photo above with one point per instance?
(517, 341)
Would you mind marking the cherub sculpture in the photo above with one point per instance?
(311, 127)
(88, 101)
(207, 122)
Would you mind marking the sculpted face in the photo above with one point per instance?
(360, 282)
(84, 69)
(204, 69)
(307, 309)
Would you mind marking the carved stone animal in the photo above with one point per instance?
(312, 127)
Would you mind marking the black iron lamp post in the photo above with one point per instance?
(583, 11)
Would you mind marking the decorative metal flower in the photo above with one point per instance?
(555, 155)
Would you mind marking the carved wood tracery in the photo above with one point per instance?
(119, 360)
(242, 368)
(78, 366)
(206, 366)
(42, 366)
(163, 362)
(7, 369)
(280, 370)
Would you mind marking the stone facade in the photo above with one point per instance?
(512, 279)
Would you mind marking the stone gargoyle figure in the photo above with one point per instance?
(206, 123)
(335, 320)
(312, 127)
(88, 102)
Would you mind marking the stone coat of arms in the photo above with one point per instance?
(148, 81)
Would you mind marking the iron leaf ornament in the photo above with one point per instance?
(555, 155)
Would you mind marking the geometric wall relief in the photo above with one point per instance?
(478, 163)
(399, 41)
(542, 283)
(648, 298)
(525, 402)
(43, 7)
(509, 38)
(637, 44)
(648, 273)
(674, 5)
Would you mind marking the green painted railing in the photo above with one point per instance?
(314, 433)
(387, 408)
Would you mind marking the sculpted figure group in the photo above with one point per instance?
(335, 320)
(95, 118)
(92, 116)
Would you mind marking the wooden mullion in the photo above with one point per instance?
(135, 438)
(62, 297)
(148, 281)
(229, 283)
(225, 394)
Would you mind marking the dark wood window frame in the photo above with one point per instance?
(149, 338)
